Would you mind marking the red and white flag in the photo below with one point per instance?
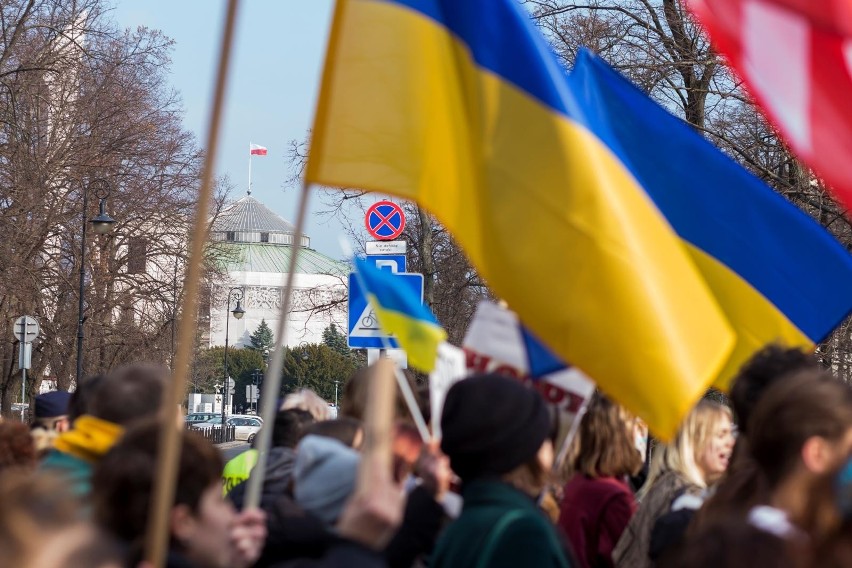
(256, 150)
(795, 56)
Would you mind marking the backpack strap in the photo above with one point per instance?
(499, 529)
(494, 536)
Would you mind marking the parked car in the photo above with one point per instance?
(199, 417)
(245, 426)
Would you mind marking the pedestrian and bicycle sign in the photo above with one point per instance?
(385, 220)
(364, 330)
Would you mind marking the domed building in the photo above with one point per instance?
(254, 246)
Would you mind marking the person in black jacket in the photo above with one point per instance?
(286, 432)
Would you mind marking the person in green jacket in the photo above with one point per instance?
(495, 432)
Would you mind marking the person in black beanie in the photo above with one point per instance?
(495, 432)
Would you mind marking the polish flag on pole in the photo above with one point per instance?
(796, 59)
(256, 150)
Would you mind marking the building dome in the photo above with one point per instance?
(260, 241)
(250, 221)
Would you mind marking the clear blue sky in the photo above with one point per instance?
(279, 50)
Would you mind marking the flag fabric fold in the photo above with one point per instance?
(463, 108)
(401, 312)
(256, 150)
(795, 57)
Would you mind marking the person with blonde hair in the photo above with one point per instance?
(680, 473)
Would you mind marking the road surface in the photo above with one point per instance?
(229, 452)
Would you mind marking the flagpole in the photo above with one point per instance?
(572, 433)
(250, 156)
(404, 387)
(158, 529)
(272, 379)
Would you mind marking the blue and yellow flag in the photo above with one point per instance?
(401, 312)
(775, 272)
(462, 107)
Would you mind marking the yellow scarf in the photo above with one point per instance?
(90, 438)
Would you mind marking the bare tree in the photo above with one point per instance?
(83, 106)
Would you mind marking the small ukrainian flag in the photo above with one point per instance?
(401, 313)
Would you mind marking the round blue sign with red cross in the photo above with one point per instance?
(385, 220)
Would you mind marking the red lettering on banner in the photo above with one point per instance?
(509, 371)
(476, 362)
(554, 394)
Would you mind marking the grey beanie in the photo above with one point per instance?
(324, 476)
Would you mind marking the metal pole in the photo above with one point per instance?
(335, 394)
(81, 291)
(22, 353)
(226, 386)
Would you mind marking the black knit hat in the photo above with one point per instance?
(491, 425)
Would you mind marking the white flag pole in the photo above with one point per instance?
(272, 378)
(250, 156)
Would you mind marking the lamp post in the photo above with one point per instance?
(101, 225)
(335, 394)
(237, 295)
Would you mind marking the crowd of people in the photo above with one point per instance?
(761, 478)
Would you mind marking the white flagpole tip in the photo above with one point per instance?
(346, 246)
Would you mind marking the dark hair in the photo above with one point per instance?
(732, 542)
(764, 369)
(130, 393)
(342, 429)
(606, 448)
(16, 446)
(806, 404)
(81, 398)
(39, 515)
(123, 480)
(289, 427)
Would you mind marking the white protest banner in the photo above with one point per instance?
(449, 369)
(495, 343)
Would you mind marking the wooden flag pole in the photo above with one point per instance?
(170, 433)
(377, 457)
(272, 378)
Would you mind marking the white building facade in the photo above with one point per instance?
(255, 245)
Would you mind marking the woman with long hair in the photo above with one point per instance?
(598, 503)
(799, 435)
(693, 460)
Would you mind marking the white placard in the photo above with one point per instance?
(494, 344)
(386, 247)
(449, 369)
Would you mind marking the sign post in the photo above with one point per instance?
(25, 330)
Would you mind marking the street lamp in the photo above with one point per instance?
(234, 294)
(335, 395)
(101, 224)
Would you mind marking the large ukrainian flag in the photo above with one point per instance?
(461, 106)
